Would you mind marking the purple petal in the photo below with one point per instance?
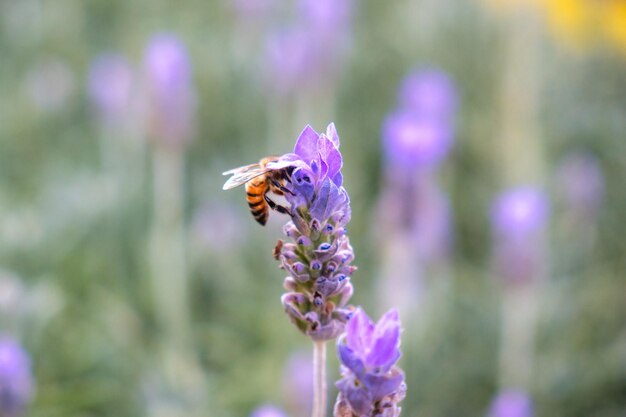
(359, 332)
(338, 179)
(382, 385)
(330, 154)
(290, 159)
(331, 133)
(302, 180)
(359, 399)
(327, 200)
(350, 360)
(306, 145)
(384, 351)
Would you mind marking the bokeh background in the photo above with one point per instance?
(138, 287)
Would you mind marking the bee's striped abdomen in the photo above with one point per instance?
(255, 195)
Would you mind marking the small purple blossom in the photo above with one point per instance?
(268, 410)
(371, 383)
(110, 87)
(16, 381)
(413, 141)
(172, 100)
(429, 93)
(511, 403)
(326, 16)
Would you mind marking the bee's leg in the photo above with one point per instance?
(274, 206)
(281, 187)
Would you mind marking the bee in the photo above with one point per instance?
(259, 181)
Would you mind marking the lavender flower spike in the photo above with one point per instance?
(318, 253)
(371, 383)
(170, 88)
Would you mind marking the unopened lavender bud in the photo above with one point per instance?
(325, 251)
(345, 256)
(296, 269)
(291, 230)
(318, 301)
(316, 265)
(342, 314)
(288, 255)
(303, 241)
(290, 284)
(293, 298)
(328, 229)
(331, 267)
(299, 268)
(345, 294)
(326, 287)
(328, 331)
(312, 318)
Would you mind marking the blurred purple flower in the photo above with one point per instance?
(172, 99)
(326, 16)
(519, 212)
(412, 141)
(268, 411)
(298, 383)
(581, 181)
(430, 94)
(368, 353)
(16, 380)
(110, 87)
(519, 217)
(511, 403)
(290, 59)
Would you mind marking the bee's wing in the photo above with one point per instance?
(242, 175)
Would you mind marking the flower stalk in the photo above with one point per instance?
(319, 379)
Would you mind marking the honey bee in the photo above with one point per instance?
(259, 181)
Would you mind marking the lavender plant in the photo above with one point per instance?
(371, 383)
(317, 256)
